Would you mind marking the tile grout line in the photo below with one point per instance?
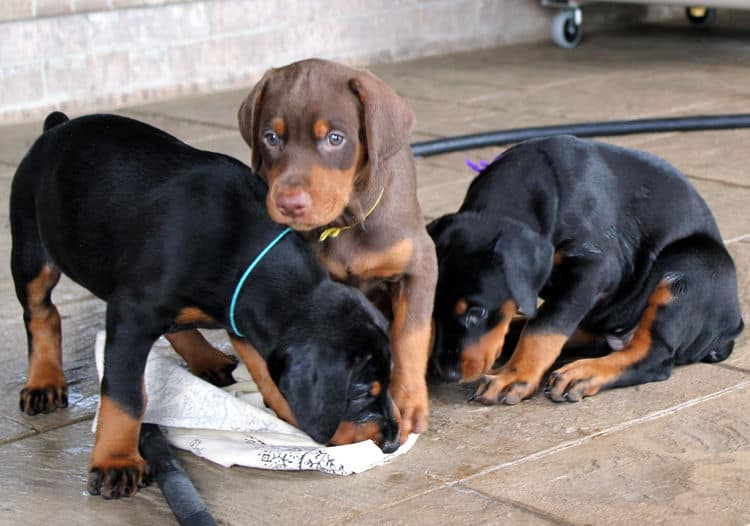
(730, 367)
(28, 434)
(718, 181)
(514, 504)
(36, 432)
(609, 431)
(577, 442)
(737, 239)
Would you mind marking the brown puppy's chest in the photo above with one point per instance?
(365, 267)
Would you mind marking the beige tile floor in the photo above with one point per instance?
(676, 452)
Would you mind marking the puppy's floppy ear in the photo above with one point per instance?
(248, 116)
(316, 389)
(526, 258)
(440, 228)
(460, 231)
(388, 119)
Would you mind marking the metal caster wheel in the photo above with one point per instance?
(700, 16)
(567, 28)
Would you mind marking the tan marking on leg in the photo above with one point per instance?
(477, 359)
(116, 448)
(39, 287)
(262, 378)
(116, 443)
(408, 378)
(535, 354)
(519, 378)
(45, 360)
(45, 354)
(203, 359)
(586, 377)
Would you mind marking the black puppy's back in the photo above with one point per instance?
(186, 198)
(594, 184)
(164, 233)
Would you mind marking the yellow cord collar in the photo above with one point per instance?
(334, 231)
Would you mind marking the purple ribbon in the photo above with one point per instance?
(480, 164)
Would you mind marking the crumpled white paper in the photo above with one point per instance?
(232, 426)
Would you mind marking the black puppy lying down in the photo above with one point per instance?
(164, 233)
(618, 244)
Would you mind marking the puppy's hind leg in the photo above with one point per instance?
(692, 315)
(646, 358)
(34, 277)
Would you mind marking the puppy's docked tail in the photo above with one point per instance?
(54, 119)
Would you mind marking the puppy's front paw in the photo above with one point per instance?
(218, 372)
(412, 402)
(504, 387)
(118, 477)
(575, 381)
(44, 399)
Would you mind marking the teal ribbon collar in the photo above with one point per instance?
(244, 277)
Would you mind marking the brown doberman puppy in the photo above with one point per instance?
(332, 143)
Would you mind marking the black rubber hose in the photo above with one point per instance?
(584, 129)
(182, 497)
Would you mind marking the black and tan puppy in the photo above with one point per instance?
(164, 233)
(618, 244)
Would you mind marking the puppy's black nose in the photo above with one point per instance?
(447, 366)
(389, 446)
(389, 431)
(450, 375)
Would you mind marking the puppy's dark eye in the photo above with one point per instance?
(335, 138)
(474, 316)
(357, 391)
(272, 139)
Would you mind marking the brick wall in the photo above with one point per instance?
(21, 9)
(80, 55)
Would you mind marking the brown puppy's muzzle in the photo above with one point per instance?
(293, 202)
(291, 205)
(302, 207)
(306, 196)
